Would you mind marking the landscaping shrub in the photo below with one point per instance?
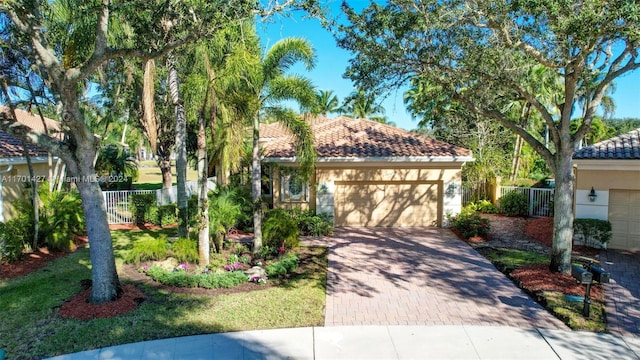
(185, 250)
(143, 208)
(311, 224)
(593, 232)
(166, 215)
(61, 218)
(217, 260)
(483, 206)
(204, 280)
(514, 204)
(15, 234)
(225, 280)
(287, 264)
(223, 214)
(470, 224)
(148, 250)
(172, 278)
(279, 229)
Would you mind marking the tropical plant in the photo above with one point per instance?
(480, 54)
(514, 204)
(61, 218)
(70, 50)
(326, 102)
(360, 104)
(264, 88)
(115, 166)
(280, 230)
(223, 214)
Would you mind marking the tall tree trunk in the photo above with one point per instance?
(525, 114)
(181, 146)
(164, 163)
(563, 211)
(256, 186)
(203, 199)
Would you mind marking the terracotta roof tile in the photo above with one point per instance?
(344, 137)
(623, 147)
(11, 147)
(33, 120)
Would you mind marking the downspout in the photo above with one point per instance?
(1, 200)
(2, 240)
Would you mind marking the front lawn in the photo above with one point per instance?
(32, 328)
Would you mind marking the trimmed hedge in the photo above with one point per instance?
(514, 204)
(593, 232)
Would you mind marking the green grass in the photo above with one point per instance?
(570, 312)
(508, 259)
(150, 177)
(30, 326)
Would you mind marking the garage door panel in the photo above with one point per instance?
(386, 204)
(624, 215)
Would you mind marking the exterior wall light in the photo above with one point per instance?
(592, 195)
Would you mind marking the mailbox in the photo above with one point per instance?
(599, 274)
(581, 274)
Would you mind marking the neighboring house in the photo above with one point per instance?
(612, 169)
(14, 173)
(367, 174)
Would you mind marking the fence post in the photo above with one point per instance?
(531, 201)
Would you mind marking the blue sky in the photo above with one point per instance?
(332, 62)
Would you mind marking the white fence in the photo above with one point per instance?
(540, 201)
(118, 203)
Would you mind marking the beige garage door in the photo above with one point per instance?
(624, 215)
(398, 204)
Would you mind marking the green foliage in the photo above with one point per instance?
(166, 215)
(116, 167)
(470, 224)
(224, 213)
(311, 224)
(594, 232)
(61, 218)
(514, 204)
(172, 278)
(143, 208)
(217, 260)
(192, 210)
(287, 264)
(15, 234)
(225, 280)
(205, 280)
(185, 250)
(482, 206)
(279, 228)
(148, 250)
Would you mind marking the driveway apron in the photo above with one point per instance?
(420, 276)
(623, 292)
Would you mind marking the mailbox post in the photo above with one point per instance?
(586, 275)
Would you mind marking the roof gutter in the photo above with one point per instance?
(22, 160)
(379, 159)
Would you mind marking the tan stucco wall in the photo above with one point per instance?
(608, 179)
(328, 175)
(301, 205)
(13, 185)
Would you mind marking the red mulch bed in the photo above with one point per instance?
(79, 307)
(541, 230)
(34, 261)
(535, 278)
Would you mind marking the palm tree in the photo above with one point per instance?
(326, 102)
(268, 86)
(360, 104)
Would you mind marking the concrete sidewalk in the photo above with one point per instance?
(380, 342)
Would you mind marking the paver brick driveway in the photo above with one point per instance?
(420, 276)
